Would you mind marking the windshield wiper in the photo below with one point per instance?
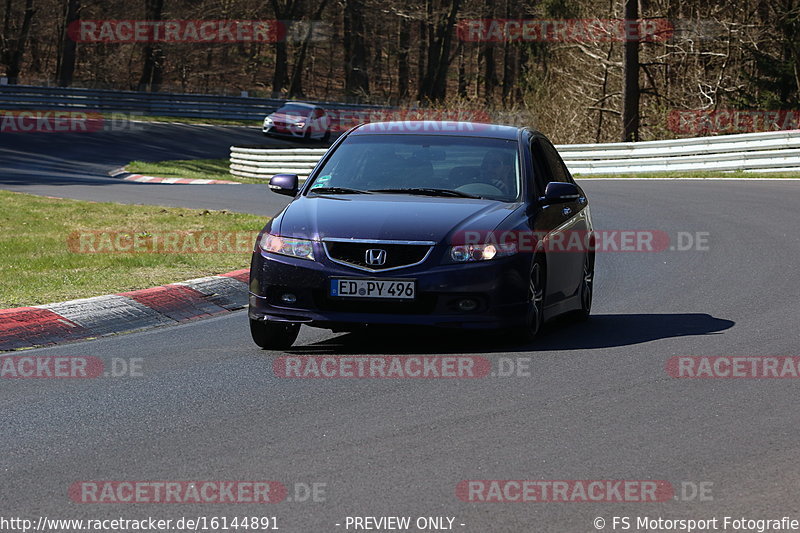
(336, 190)
(425, 191)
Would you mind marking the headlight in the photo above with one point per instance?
(276, 244)
(267, 120)
(466, 253)
(300, 124)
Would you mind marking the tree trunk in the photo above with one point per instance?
(281, 72)
(486, 58)
(153, 64)
(489, 72)
(509, 69)
(462, 72)
(355, 52)
(421, 67)
(425, 52)
(522, 74)
(444, 42)
(630, 69)
(296, 85)
(5, 40)
(434, 86)
(14, 64)
(403, 69)
(66, 65)
(280, 76)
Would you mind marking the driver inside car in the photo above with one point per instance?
(497, 169)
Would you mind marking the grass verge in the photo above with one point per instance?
(38, 265)
(193, 120)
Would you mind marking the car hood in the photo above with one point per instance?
(389, 217)
(287, 117)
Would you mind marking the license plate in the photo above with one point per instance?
(400, 289)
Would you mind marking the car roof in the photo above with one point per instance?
(435, 127)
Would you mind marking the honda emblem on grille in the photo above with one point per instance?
(376, 256)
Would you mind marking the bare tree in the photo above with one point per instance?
(630, 68)
(153, 57)
(13, 50)
(66, 60)
(296, 85)
(403, 49)
(285, 12)
(434, 86)
(355, 51)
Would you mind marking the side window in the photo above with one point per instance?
(558, 171)
(541, 173)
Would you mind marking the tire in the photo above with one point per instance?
(307, 135)
(587, 289)
(327, 136)
(273, 335)
(536, 290)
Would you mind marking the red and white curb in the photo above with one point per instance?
(26, 327)
(119, 172)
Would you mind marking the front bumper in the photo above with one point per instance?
(499, 286)
(285, 131)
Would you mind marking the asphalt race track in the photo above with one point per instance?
(595, 404)
(76, 165)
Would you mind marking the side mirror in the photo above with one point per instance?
(558, 192)
(284, 184)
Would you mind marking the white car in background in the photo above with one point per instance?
(298, 120)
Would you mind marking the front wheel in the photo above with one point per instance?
(273, 335)
(535, 315)
(587, 289)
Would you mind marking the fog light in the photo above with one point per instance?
(288, 298)
(467, 305)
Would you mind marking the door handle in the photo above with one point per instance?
(566, 211)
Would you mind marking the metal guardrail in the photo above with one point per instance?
(17, 97)
(773, 151)
(777, 151)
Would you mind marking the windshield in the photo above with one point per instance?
(474, 166)
(291, 109)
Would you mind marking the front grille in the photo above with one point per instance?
(354, 253)
(422, 305)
